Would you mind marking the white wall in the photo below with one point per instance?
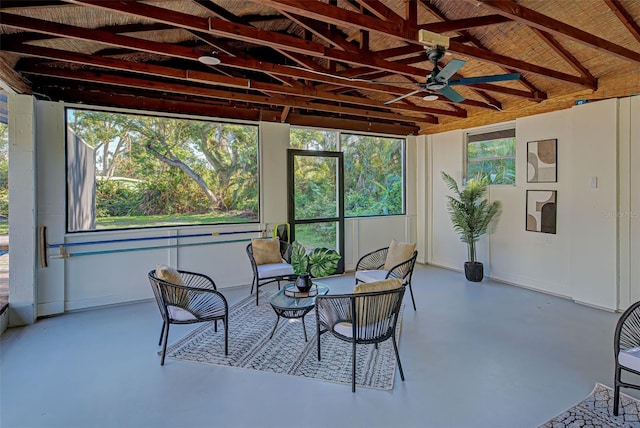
(22, 210)
(79, 281)
(581, 260)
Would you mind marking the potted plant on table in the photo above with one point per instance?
(470, 214)
(317, 263)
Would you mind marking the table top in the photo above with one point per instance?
(282, 301)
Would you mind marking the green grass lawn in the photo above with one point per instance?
(126, 222)
(4, 227)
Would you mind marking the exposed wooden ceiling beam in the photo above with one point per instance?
(323, 33)
(249, 34)
(333, 14)
(465, 23)
(153, 85)
(435, 11)
(213, 79)
(506, 61)
(564, 53)
(350, 124)
(624, 17)
(381, 10)
(550, 25)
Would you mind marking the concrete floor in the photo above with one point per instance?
(474, 355)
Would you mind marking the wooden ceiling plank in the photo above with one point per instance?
(219, 11)
(564, 53)
(465, 23)
(550, 25)
(627, 20)
(153, 85)
(23, 4)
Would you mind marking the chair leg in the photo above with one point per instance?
(215, 326)
(412, 299)
(616, 392)
(318, 336)
(166, 339)
(353, 367)
(253, 281)
(257, 292)
(304, 328)
(161, 333)
(395, 348)
(226, 334)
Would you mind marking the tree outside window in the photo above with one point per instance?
(130, 171)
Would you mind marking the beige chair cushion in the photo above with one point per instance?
(168, 274)
(384, 285)
(398, 253)
(374, 310)
(266, 251)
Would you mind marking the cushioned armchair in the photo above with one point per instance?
(395, 261)
(185, 298)
(626, 347)
(270, 261)
(368, 316)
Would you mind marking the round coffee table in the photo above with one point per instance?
(295, 307)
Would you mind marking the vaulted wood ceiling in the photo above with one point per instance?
(321, 62)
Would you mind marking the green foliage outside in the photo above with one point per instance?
(373, 170)
(470, 211)
(494, 159)
(150, 166)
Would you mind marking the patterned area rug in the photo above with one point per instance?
(597, 411)
(287, 353)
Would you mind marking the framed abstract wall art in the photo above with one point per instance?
(542, 158)
(541, 211)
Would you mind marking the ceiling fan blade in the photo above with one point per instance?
(449, 70)
(451, 94)
(401, 97)
(484, 79)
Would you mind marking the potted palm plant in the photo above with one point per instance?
(470, 214)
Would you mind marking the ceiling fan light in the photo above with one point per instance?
(209, 60)
(430, 97)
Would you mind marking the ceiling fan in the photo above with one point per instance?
(439, 80)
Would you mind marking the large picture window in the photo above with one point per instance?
(373, 169)
(492, 154)
(133, 171)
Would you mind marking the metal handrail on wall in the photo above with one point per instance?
(64, 254)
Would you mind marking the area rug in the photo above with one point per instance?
(597, 411)
(286, 353)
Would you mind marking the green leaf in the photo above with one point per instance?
(299, 259)
(323, 262)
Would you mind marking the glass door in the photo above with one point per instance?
(315, 193)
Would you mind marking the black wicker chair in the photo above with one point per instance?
(195, 301)
(370, 268)
(274, 272)
(375, 315)
(626, 347)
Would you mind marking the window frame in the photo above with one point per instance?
(115, 110)
(369, 134)
(503, 128)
